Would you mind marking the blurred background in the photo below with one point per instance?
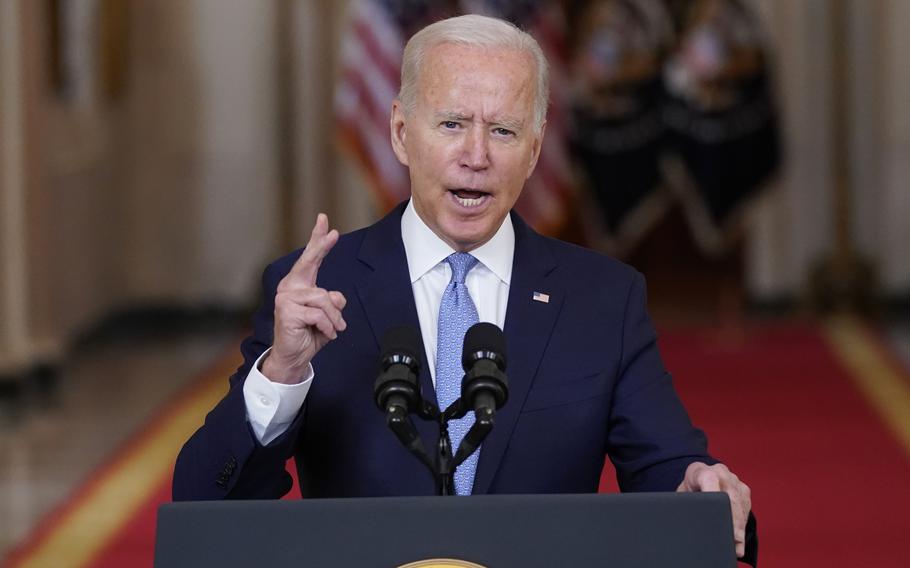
(750, 157)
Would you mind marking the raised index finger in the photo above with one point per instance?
(321, 242)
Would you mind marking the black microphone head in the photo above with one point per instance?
(484, 340)
(399, 366)
(398, 341)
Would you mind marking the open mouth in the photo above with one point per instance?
(469, 197)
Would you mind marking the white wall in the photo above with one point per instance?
(13, 285)
(234, 53)
(202, 176)
(895, 202)
(792, 228)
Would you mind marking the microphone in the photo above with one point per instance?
(397, 390)
(397, 385)
(485, 387)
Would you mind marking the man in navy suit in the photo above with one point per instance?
(586, 379)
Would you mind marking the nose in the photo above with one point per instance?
(475, 153)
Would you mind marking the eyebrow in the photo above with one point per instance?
(510, 124)
(449, 115)
(457, 116)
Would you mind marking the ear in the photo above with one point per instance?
(535, 151)
(399, 132)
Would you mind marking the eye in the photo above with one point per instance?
(503, 132)
(450, 124)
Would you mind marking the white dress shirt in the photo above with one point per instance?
(271, 407)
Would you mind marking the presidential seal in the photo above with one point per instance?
(442, 563)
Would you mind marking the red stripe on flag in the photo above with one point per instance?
(379, 117)
(390, 70)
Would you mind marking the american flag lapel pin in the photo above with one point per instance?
(541, 297)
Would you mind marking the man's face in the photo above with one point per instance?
(470, 142)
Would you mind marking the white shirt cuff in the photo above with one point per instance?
(270, 406)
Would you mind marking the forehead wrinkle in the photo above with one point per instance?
(510, 120)
(456, 98)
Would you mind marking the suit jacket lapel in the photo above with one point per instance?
(387, 298)
(528, 326)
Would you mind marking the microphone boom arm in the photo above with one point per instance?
(399, 421)
(478, 432)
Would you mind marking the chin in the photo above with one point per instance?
(469, 235)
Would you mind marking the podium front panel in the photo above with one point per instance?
(647, 530)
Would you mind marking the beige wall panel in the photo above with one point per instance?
(199, 194)
(13, 288)
(791, 229)
(866, 99)
(896, 148)
(327, 180)
(238, 227)
(67, 182)
(161, 173)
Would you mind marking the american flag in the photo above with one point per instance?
(370, 78)
(541, 297)
(369, 81)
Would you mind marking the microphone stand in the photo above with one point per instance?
(401, 425)
(484, 385)
(443, 466)
(399, 421)
(483, 424)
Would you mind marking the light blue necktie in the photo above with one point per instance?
(456, 314)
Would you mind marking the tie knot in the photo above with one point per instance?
(461, 263)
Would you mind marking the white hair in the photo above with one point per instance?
(472, 30)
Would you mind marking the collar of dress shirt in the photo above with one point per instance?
(425, 250)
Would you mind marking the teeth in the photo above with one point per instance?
(468, 202)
